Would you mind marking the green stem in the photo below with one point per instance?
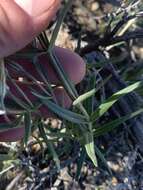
(2, 87)
(58, 25)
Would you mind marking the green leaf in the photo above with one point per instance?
(84, 97)
(19, 102)
(40, 96)
(59, 23)
(101, 130)
(105, 106)
(80, 163)
(43, 39)
(41, 71)
(90, 93)
(64, 113)
(28, 125)
(90, 148)
(89, 103)
(50, 146)
(20, 91)
(3, 87)
(27, 54)
(102, 158)
(66, 82)
(18, 68)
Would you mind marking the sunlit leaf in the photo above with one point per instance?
(90, 148)
(90, 93)
(107, 104)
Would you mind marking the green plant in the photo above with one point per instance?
(78, 124)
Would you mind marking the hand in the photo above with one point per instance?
(20, 22)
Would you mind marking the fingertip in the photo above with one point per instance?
(62, 97)
(72, 63)
(45, 15)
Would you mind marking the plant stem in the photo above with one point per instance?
(58, 25)
(2, 87)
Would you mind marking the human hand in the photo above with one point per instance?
(20, 22)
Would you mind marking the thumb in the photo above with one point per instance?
(41, 11)
(22, 20)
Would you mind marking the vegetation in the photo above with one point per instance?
(108, 99)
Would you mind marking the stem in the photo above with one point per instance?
(2, 87)
(58, 25)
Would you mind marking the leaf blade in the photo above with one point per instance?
(106, 105)
(64, 113)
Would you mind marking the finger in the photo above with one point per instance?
(71, 62)
(59, 95)
(16, 134)
(12, 135)
(21, 21)
(41, 11)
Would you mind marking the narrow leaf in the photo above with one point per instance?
(102, 158)
(80, 163)
(59, 23)
(50, 146)
(18, 101)
(20, 91)
(89, 146)
(40, 96)
(90, 93)
(84, 97)
(64, 113)
(105, 106)
(28, 125)
(2, 87)
(101, 130)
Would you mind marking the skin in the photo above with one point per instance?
(15, 16)
(22, 20)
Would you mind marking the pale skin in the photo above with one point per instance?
(20, 22)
